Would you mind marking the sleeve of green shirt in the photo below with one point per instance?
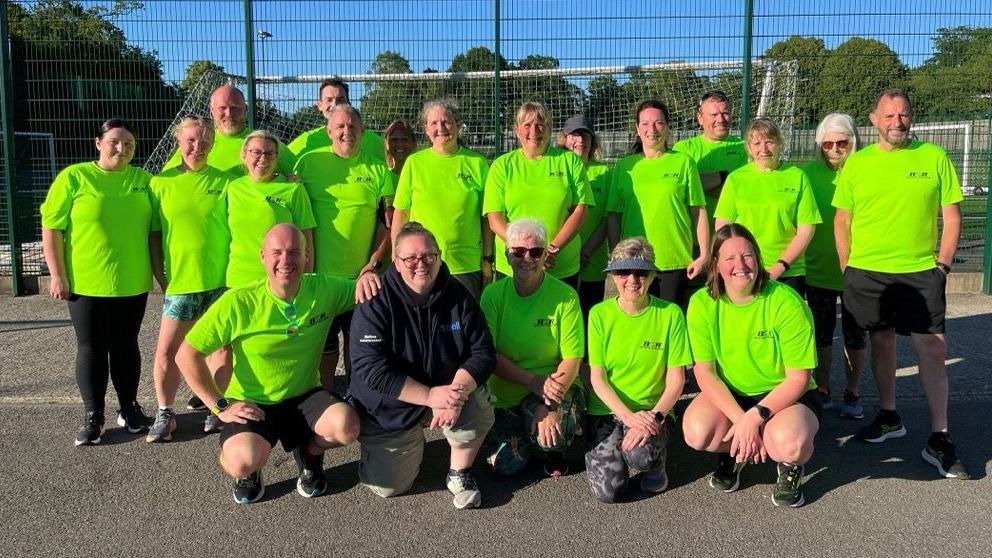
(806, 211)
(287, 160)
(678, 341)
(338, 293)
(581, 190)
(950, 188)
(215, 329)
(726, 207)
(572, 337)
(493, 199)
(58, 202)
(842, 195)
(596, 338)
(695, 184)
(794, 326)
(387, 187)
(698, 323)
(298, 144)
(490, 308)
(301, 209)
(156, 222)
(615, 196)
(404, 189)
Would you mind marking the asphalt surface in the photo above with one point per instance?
(129, 498)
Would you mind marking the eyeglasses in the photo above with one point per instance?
(841, 144)
(639, 273)
(258, 154)
(427, 259)
(521, 251)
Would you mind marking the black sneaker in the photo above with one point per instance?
(940, 453)
(727, 476)
(89, 434)
(249, 489)
(555, 464)
(195, 404)
(311, 482)
(886, 425)
(132, 418)
(789, 486)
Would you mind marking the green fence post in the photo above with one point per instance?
(746, 71)
(250, 63)
(987, 252)
(497, 100)
(6, 96)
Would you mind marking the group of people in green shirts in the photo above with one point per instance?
(489, 320)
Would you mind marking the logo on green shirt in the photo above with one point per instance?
(544, 322)
(314, 320)
(138, 189)
(274, 199)
(213, 192)
(556, 173)
(673, 175)
(464, 176)
(789, 189)
(653, 345)
(363, 179)
(764, 334)
(918, 174)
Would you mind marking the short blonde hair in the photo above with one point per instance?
(263, 134)
(633, 248)
(533, 108)
(766, 127)
(191, 121)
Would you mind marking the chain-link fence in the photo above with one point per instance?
(73, 64)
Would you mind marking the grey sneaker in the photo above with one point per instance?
(462, 485)
(165, 424)
(788, 489)
(212, 424)
(655, 480)
(727, 476)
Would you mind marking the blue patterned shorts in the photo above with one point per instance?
(188, 307)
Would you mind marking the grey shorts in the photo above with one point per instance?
(190, 306)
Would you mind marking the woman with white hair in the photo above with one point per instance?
(836, 138)
(536, 323)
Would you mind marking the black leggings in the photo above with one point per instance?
(107, 345)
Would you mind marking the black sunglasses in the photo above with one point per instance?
(520, 251)
(639, 273)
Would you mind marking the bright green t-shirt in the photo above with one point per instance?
(190, 208)
(636, 351)
(753, 344)
(276, 345)
(105, 217)
(536, 332)
(444, 193)
(893, 197)
(225, 155)
(822, 263)
(599, 177)
(252, 209)
(771, 205)
(545, 189)
(345, 196)
(713, 156)
(653, 197)
(312, 140)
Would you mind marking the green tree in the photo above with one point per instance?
(812, 55)
(561, 97)
(854, 74)
(195, 72)
(385, 101)
(475, 96)
(957, 79)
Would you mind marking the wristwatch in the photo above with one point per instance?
(374, 263)
(659, 417)
(764, 412)
(944, 267)
(785, 264)
(491, 259)
(553, 249)
(220, 406)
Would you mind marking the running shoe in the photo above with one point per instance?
(311, 468)
(655, 480)
(462, 484)
(89, 434)
(555, 464)
(727, 476)
(851, 409)
(132, 418)
(789, 486)
(249, 489)
(165, 424)
(940, 453)
(826, 401)
(195, 404)
(212, 424)
(886, 425)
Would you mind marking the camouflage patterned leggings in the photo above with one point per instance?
(607, 465)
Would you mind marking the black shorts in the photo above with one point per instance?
(823, 305)
(672, 286)
(340, 324)
(797, 282)
(472, 281)
(291, 421)
(809, 399)
(909, 302)
(591, 293)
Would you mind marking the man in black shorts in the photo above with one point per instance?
(887, 199)
(276, 330)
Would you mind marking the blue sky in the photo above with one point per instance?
(340, 37)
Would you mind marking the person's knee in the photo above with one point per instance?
(790, 446)
(240, 463)
(697, 436)
(642, 458)
(339, 425)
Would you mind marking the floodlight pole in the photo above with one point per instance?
(250, 63)
(6, 96)
(746, 82)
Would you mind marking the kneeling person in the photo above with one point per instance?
(420, 352)
(276, 329)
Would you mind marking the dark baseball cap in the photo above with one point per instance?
(576, 123)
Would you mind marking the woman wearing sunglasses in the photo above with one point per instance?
(773, 199)
(536, 323)
(540, 182)
(836, 138)
(657, 193)
(638, 350)
(752, 339)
